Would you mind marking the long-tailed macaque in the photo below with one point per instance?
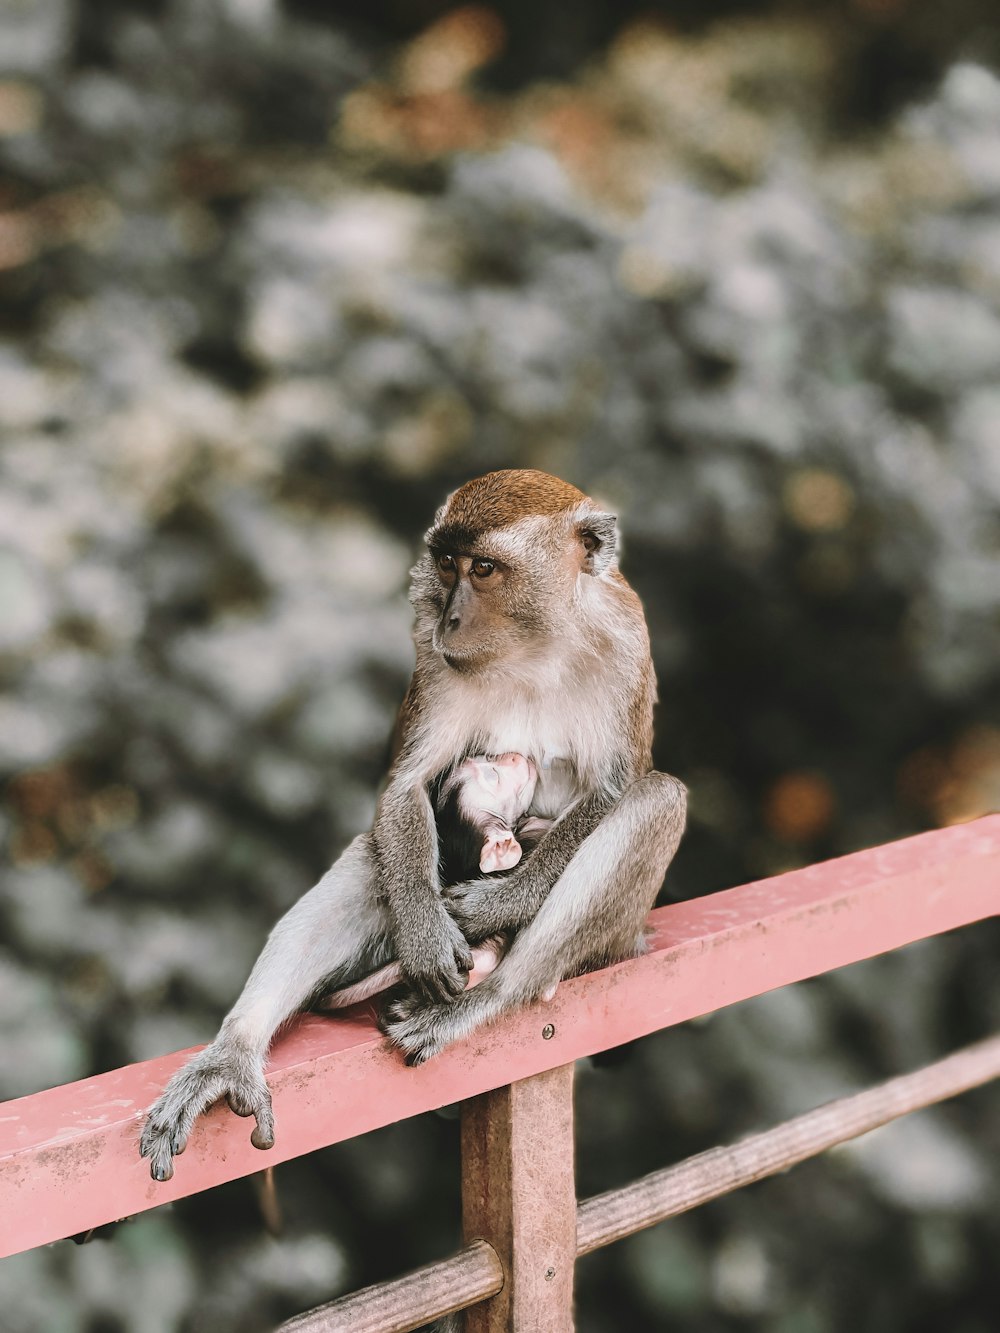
(528, 641)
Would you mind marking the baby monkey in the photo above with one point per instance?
(480, 812)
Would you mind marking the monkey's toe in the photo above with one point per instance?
(162, 1169)
(416, 1033)
(262, 1139)
(157, 1146)
(400, 1009)
(263, 1133)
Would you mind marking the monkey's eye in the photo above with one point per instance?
(483, 568)
(446, 563)
(590, 542)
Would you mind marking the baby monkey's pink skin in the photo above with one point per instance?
(493, 795)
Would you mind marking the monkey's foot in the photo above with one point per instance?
(415, 1030)
(423, 1030)
(216, 1072)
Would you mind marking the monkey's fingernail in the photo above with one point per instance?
(162, 1171)
(262, 1139)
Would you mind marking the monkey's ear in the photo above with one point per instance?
(501, 851)
(598, 536)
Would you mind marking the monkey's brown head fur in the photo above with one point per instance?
(506, 560)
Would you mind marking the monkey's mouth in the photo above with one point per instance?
(458, 663)
(465, 658)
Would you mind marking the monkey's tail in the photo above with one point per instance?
(390, 975)
(266, 1188)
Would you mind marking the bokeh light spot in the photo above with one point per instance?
(818, 501)
(799, 807)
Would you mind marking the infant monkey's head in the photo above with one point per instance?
(478, 811)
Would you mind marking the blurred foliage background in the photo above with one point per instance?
(274, 277)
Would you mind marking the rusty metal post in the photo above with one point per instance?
(519, 1193)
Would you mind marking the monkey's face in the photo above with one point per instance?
(484, 614)
(499, 582)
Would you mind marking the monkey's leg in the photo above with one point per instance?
(332, 936)
(593, 916)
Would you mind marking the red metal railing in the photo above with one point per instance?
(69, 1158)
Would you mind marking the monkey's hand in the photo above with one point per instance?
(220, 1070)
(436, 958)
(484, 907)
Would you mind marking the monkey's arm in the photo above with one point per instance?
(333, 935)
(434, 954)
(483, 907)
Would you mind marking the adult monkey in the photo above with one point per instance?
(528, 640)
